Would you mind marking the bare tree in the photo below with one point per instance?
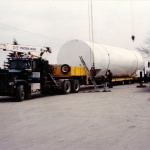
(145, 50)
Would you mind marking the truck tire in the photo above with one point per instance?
(122, 82)
(65, 68)
(66, 87)
(20, 93)
(75, 86)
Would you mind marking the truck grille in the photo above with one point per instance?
(3, 81)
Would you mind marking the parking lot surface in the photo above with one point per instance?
(116, 120)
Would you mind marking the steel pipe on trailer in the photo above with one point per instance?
(122, 62)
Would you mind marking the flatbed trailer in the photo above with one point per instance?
(73, 75)
(24, 75)
(124, 80)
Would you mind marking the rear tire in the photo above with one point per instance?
(66, 87)
(122, 82)
(75, 86)
(20, 93)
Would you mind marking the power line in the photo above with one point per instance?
(13, 29)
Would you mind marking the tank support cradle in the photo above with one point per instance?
(141, 85)
(92, 91)
(106, 91)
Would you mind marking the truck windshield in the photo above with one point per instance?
(19, 65)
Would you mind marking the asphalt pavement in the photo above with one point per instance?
(116, 120)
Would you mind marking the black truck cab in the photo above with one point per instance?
(24, 75)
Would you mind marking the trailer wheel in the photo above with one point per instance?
(20, 93)
(122, 82)
(65, 68)
(66, 87)
(75, 86)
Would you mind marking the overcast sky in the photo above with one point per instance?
(54, 22)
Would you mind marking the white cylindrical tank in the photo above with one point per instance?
(122, 62)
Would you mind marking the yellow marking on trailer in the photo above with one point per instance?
(74, 71)
(122, 79)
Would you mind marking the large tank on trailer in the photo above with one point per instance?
(122, 62)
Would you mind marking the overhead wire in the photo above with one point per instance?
(89, 19)
(13, 29)
(132, 16)
(132, 19)
(91, 32)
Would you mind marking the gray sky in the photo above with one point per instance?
(54, 22)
